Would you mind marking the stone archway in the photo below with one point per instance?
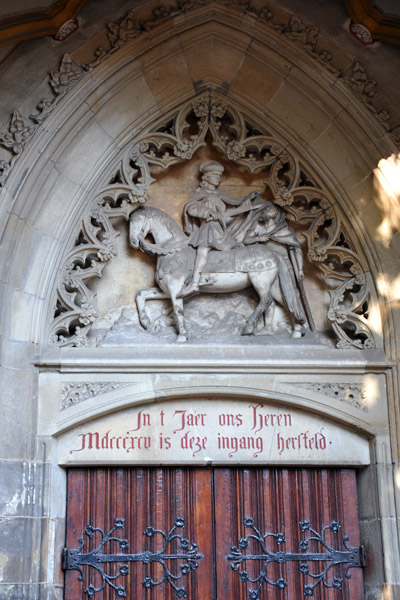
(271, 76)
(101, 130)
(287, 180)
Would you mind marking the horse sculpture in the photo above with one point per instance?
(254, 265)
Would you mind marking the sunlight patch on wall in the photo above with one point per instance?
(397, 478)
(387, 185)
(389, 290)
(372, 390)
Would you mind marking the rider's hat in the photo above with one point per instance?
(211, 166)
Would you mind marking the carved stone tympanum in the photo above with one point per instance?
(225, 251)
(246, 238)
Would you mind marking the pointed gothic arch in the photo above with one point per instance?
(246, 142)
(86, 130)
(272, 76)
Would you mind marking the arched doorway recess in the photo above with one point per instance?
(211, 123)
(279, 90)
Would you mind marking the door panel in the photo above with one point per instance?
(277, 500)
(144, 497)
(215, 503)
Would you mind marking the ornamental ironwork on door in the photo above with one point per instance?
(328, 556)
(204, 561)
(187, 557)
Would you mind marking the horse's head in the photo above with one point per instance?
(138, 228)
(167, 236)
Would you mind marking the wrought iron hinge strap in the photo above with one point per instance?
(351, 557)
(76, 559)
(71, 560)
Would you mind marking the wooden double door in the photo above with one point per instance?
(201, 533)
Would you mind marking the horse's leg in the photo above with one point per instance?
(262, 282)
(174, 288)
(269, 319)
(153, 293)
(296, 328)
(268, 328)
(177, 303)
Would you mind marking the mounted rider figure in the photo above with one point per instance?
(206, 219)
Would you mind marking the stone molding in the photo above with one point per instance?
(129, 27)
(108, 391)
(73, 393)
(304, 36)
(245, 143)
(20, 132)
(258, 359)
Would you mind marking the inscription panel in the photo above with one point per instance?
(212, 432)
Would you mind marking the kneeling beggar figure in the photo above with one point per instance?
(223, 250)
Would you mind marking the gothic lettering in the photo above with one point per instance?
(143, 420)
(195, 443)
(258, 431)
(240, 443)
(188, 419)
(302, 441)
(261, 420)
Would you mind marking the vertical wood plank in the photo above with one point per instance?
(227, 528)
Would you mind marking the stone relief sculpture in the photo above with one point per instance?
(298, 196)
(271, 227)
(225, 251)
(206, 219)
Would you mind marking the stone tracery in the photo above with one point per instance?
(246, 144)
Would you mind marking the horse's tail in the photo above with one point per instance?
(289, 289)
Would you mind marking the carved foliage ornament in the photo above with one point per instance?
(350, 393)
(242, 142)
(19, 132)
(130, 27)
(74, 393)
(94, 246)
